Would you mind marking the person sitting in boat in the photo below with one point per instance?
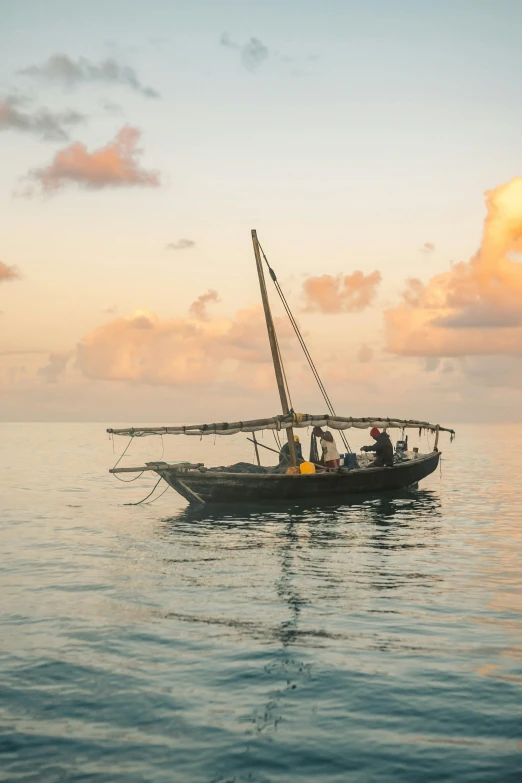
(284, 455)
(331, 458)
(383, 449)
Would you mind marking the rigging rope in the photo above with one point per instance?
(124, 452)
(300, 337)
(126, 481)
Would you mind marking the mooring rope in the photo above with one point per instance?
(148, 496)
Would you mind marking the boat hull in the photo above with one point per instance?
(216, 487)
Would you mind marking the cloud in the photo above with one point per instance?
(146, 349)
(112, 108)
(481, 316)
(181, 244)
(198, 309)
(70, 73)
(476, 307)
(365, 353)
(51, 126)
(431, 363)
(18, 98)
(428, 247)
(22, 352)
(351, 293)
(55, 366)
(8, 273)
(493, 371)
(253, 53)
(226, 40)
(115, 165)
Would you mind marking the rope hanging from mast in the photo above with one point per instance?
(300, 337)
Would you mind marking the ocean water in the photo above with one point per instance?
(379, 640)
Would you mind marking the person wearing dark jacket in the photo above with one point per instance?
(383, 449)
(284, 454)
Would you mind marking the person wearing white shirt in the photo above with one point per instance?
(331, 456)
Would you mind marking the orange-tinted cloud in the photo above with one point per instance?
(476, 307)
(365, 353)
(115, 165)
(178, 351)
(8, 273)
(55, 367)
(198, 309)
(351, 293)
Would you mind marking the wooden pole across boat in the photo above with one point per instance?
(317, 465)
(274, 347)
(255, 447)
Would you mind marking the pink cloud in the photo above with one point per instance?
(198, 309)
(182, 351)
(475, 307)
(115, 165)
(8, 273)
(351, 293)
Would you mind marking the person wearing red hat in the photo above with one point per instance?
(383, 449)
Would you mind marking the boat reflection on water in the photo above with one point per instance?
(302, 574)
(380, 509)
(374, 523)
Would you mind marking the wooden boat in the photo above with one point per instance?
(202, 485)
(329, 486)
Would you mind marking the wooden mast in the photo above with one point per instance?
(274, 347)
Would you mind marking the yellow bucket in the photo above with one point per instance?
(307, 467)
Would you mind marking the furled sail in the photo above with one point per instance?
(295, 420)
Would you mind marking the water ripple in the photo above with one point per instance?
(378, 640)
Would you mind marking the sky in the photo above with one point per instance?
(374, 145)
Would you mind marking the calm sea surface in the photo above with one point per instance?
(377, 641)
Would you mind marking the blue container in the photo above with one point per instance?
(350, 460)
